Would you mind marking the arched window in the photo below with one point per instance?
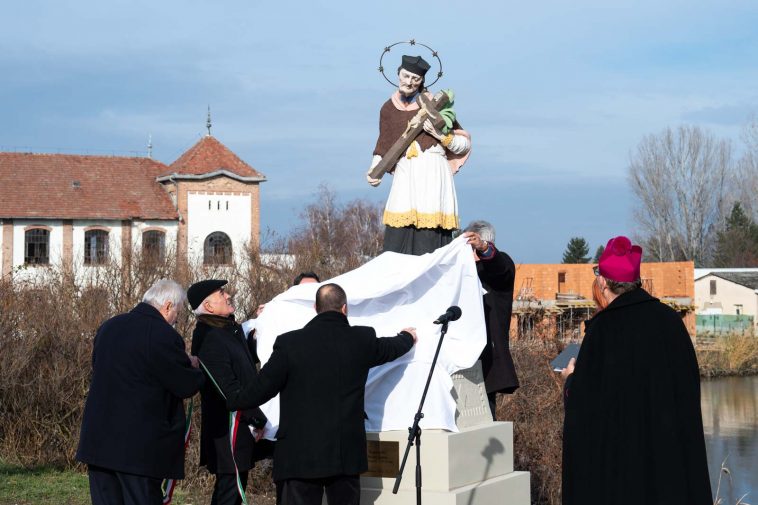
(217, 249)
(154, 245)
(37, 247)
(95, 247)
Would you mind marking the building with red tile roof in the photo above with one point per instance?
(82, 209)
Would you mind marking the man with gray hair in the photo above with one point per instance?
(496, 273)
(132, 434)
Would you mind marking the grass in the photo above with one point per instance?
(46, 485)
(42, 486)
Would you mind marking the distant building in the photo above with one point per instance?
(76, 210)
(557, 298)
(726, 300)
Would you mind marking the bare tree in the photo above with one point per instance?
(679, 178)
(747, 170)
(334, 238)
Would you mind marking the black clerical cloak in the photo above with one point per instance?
(633, 431)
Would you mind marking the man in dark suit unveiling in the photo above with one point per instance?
(320, 372)
(133, 427)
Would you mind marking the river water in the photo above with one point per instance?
(730, 421)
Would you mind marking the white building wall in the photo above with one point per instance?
(114, 238)
(209, 212)
(28, 272)
(728, 294)
(170, 228)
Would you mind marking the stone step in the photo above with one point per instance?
(510, 489)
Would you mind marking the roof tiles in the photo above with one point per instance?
(209, 155)
(63, 186)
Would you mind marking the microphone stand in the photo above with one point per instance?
(414, 432)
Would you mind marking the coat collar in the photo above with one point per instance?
(217, 321)
(148, 310)
(330, 316)
(633, 297)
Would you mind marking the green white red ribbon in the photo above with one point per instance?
(234, 421)
(168, 485)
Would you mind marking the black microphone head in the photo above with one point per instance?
(455, 313)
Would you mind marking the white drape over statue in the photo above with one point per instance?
(391, 292)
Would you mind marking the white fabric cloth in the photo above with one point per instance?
(392, 292)
(248, 326)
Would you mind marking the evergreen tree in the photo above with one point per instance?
(576, 251)
(598, 253)
(737, 242)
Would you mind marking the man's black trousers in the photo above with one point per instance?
(340, 490)
(108, 487)
(225, 490)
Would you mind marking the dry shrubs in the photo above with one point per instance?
(728, 355)
(45, 347)
(536, 409)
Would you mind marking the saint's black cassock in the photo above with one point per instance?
(633, 431)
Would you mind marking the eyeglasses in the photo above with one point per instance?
(596, 270)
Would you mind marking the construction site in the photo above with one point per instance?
(554, 300)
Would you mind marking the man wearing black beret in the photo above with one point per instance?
(220, 344)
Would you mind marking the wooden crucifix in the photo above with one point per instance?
(429, 110)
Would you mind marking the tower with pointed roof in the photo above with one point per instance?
(217, 196)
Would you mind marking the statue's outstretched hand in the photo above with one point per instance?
(371, 180)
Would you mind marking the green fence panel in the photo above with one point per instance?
(722, 324)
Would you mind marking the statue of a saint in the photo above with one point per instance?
(422, 210)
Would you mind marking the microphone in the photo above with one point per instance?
(451, 314)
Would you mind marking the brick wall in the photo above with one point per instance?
(7, 264)
(673, 279)
(663, 280)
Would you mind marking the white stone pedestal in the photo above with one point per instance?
(472, 467)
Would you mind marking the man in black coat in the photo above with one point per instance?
(221, 345)
(320, 373)
(132, 433)
(496, 272)
(633, 430)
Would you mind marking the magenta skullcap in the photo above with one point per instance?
(620, 260)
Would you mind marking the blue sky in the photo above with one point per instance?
(555, 94)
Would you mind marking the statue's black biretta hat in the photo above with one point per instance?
(415, 64)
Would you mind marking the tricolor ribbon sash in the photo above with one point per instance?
(168, 485)
(234, 421)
